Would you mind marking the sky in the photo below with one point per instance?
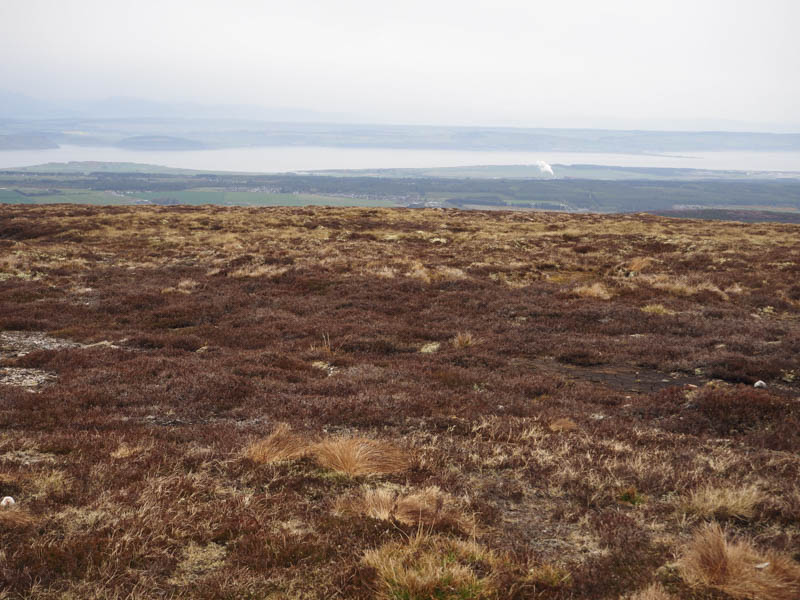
(578, 63)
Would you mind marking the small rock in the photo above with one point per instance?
(759, 384)
(430, 348)
(763, 565)
(7, 501)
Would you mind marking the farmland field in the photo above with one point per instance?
(325, 402)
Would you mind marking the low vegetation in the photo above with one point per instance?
(223, 403)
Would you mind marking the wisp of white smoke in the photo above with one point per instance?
(545, 168)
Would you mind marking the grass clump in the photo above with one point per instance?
(724, 502)
(428, 567)
(737, 568)
(597, 291)
(464, 339)
(563, 425)
(654, 591)
(630, 495)
(14, 517)
(282, 444)
(657, 309)
(360, 456)
(430, 508)
(549, 576)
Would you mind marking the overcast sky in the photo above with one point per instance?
(531, 63)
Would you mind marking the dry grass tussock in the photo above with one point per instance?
(464, 339)
(597, 291)
(360, 456)
(657, 309)
(654, 591)
(185, 286)
(258, 271)
(430, 507)
(434, 275)
(724, 502)
(281, 444)
(196, 561)
(562, 425)
(434, 567)
(737, 568)
(681, 286)
(15, 518)
(640, 263)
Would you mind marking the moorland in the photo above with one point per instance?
(321, 402)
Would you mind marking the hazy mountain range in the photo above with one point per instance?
(134, 123)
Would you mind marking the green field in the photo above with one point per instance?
(185, 197)
(100, 198)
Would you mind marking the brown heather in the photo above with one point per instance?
(289, 403)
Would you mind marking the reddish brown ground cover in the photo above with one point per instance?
(576, 389)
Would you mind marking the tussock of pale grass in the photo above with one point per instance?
(640, 263)
(433, 567)
(724, 502)
(124, 451)
(282, 444)
(258, 271)
(418, 271)
(430, 507)
(386, 272)
(680, 286)
(549, 575)
(15, 518)
(360, 456)
(737, 568)
(51, 483)
(654, 591)
(197, 561)
(562, 425)
(596, 290)
(449, 274)
(373, 503)
(464, 339)
(657, 309)
(185, 286)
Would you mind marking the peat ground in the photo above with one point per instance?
(534, 405)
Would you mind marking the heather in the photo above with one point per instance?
(321, 402)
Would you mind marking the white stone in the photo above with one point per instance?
(759, 384)
(7, 501)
